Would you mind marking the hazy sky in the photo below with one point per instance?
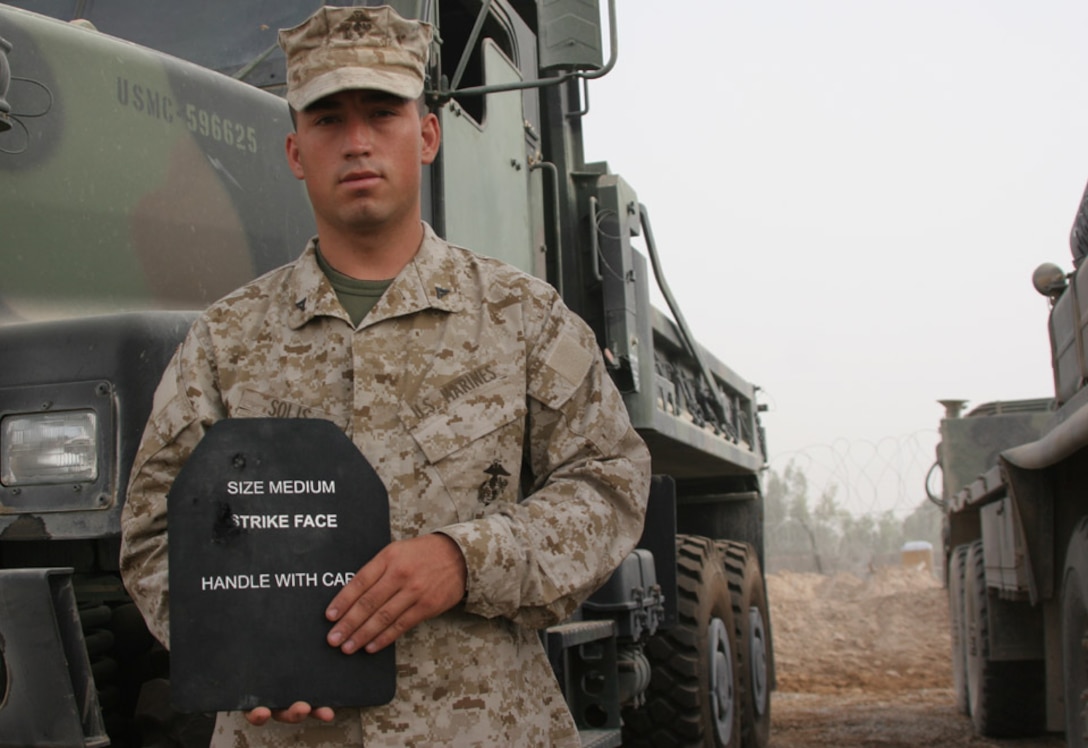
(849, 198)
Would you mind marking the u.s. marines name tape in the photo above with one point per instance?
(267, 521)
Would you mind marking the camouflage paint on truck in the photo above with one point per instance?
(188, 176)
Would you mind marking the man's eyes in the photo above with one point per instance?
(334, 118)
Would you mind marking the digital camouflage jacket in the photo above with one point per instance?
(465, 370)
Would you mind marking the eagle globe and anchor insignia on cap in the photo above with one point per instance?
(356, 26)
(338, 49)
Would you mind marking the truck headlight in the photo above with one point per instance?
(44, 448)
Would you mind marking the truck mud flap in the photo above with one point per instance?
(47, 692)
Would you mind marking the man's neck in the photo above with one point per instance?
(370, 257)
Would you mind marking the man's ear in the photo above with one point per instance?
(432, 137)
(293, 160)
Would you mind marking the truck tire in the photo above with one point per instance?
(957, 565)
(692, 698)
(752, 639)
(1006, 697)
(1074, 632)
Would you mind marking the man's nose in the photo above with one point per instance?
(357, 139)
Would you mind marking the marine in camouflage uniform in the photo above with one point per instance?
(463, 372)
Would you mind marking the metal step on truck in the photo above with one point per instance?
(142, 177)
(1015, 500)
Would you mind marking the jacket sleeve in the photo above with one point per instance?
(537, 560)
(186, 403)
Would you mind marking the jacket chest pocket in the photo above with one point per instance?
(473, 444)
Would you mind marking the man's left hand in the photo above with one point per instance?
(408, 582)
(294, 714)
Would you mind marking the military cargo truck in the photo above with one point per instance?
(1015, 475)
(142, 176)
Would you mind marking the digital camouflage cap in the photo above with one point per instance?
(337, 49)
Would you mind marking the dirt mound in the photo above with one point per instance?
(887, 632)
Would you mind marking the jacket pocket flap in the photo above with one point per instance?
(454, 425)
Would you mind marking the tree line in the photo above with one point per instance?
(817, 533)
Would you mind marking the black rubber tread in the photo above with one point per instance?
(1074, 604)
(1007, 698)
(957, 565)
(747, 590)
(677, 711)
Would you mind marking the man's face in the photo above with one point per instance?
(360, 153)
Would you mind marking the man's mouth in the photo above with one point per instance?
(360, 178)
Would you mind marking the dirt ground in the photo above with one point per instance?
(865, 662)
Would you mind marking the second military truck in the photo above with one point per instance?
(1015, 497)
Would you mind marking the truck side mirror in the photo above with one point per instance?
(570, 36)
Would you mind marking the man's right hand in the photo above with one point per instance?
(292, 715)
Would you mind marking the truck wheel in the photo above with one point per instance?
(752, 638)
(1006, 697)
(692, 699)
(957, 564)
(1075, 636)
